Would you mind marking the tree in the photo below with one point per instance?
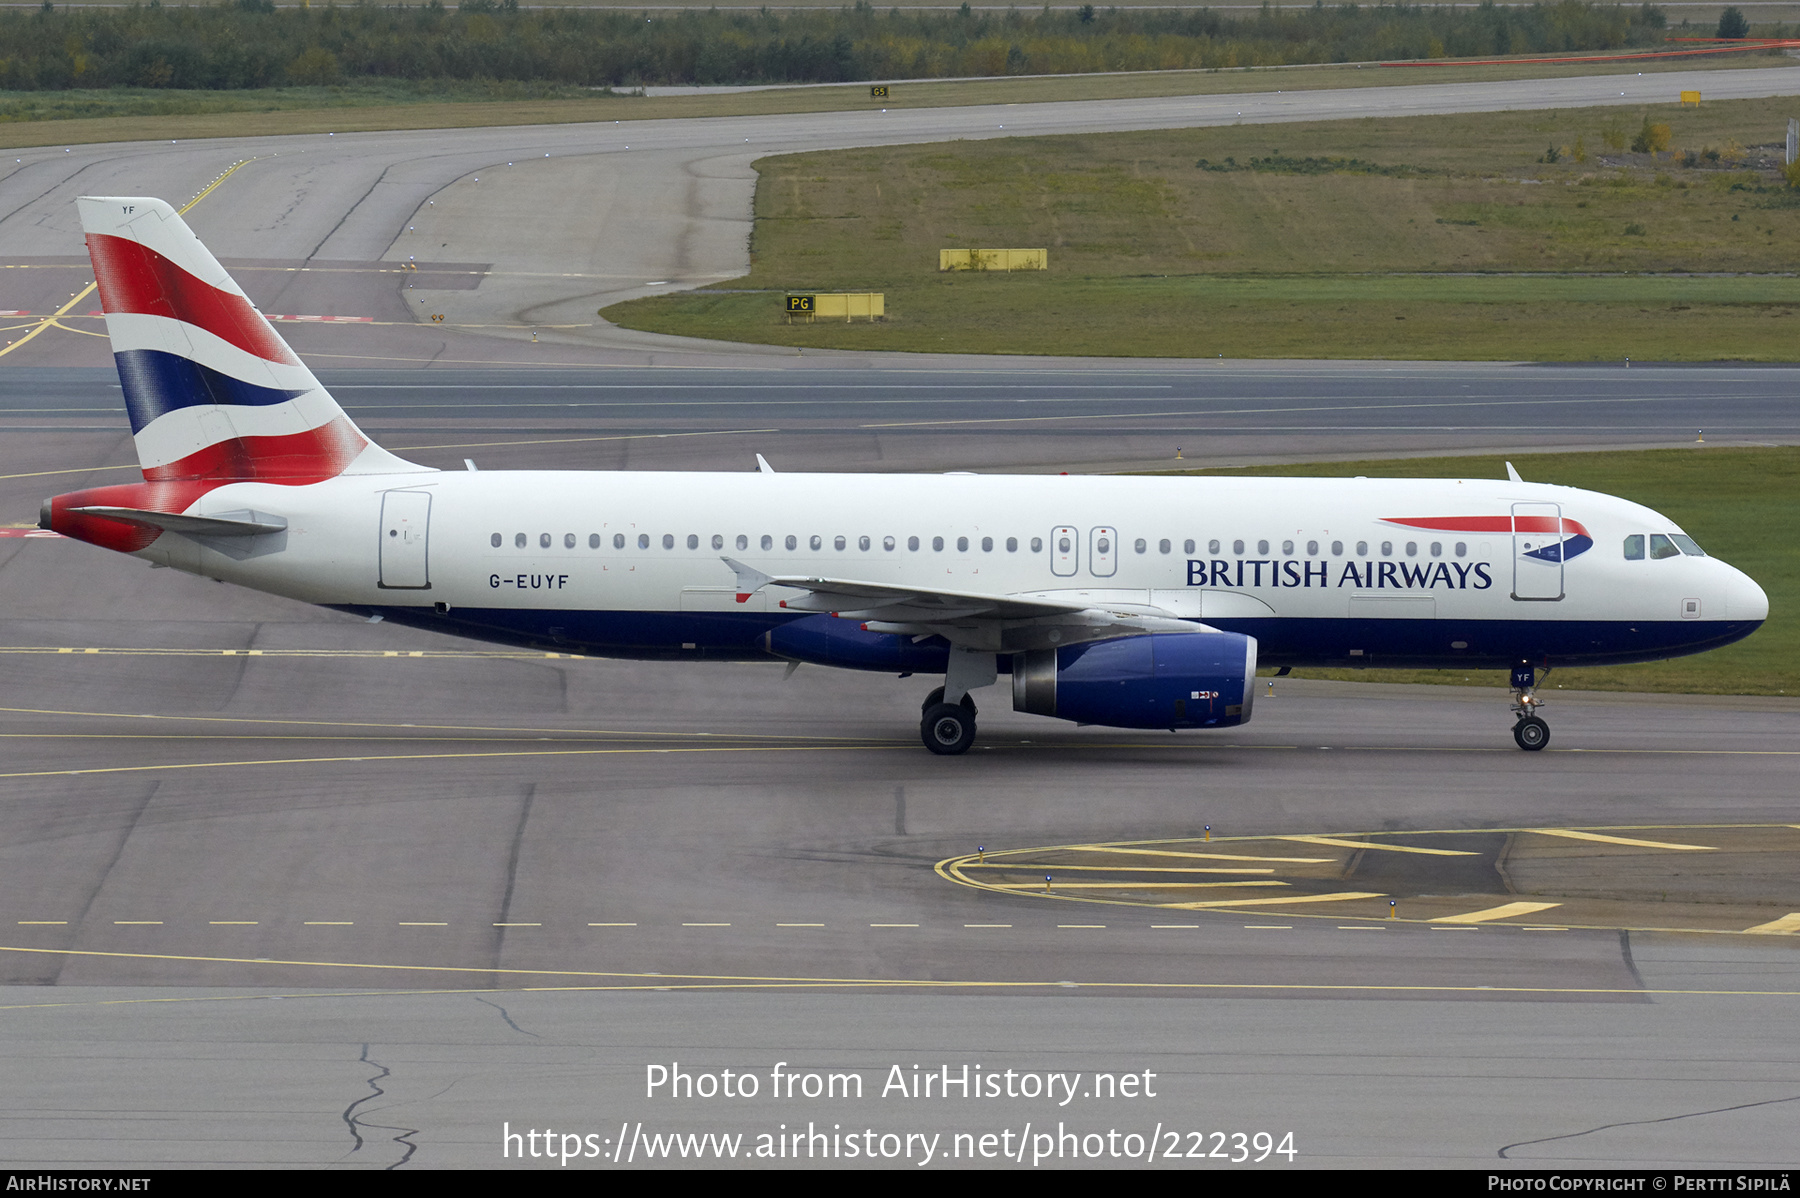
(1733, 24)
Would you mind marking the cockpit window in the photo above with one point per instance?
(1662, 547)
(1634, 547)
(1687, 544)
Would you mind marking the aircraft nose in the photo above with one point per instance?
(1744, 600)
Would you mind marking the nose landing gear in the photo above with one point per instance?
(1530, 733)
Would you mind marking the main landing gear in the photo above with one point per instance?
(1531, 733)
(949, 728)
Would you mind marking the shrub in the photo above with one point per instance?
(1651, 138)
(1733, 24)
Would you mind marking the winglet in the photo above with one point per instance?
(1512, 475)
(749, 579)
(762, 465)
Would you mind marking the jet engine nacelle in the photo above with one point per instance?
(1160, 680)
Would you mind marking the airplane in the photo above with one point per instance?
(1143, 603)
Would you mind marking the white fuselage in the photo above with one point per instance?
(509, 555)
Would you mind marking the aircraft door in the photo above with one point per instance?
(1065, 550)
(1537, 552)
(405, 525)
(1103, 552)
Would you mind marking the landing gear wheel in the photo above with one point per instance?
(937, 696)
(947, 729)
(1531, 733)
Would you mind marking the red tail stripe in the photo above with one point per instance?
(295, 459)
(1500, 524)
(135, 278)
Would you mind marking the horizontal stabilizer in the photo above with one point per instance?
(225, 524)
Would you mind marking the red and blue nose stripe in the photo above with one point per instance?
(1573, 540)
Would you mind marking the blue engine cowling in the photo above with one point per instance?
(1159, 680)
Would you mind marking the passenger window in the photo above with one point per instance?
(1187, 546)
(1661, 547)
(1387, 549)
(1012, 544)
(962, 544)
(618, 540)
(718, 542)
(1037, 544)
(1362, 549)
(816, 542)
(1462, 549)
(1437, 549)
(693, 541)
(568, 540)
(987, 544)
(1287, 549)
(838, 543)
(668, 540)
(1212, 546)
(1634, 547)
(743, 542)
(792, 541)
(1337, 549)
(937, 544)
(862, 543)
(643, 540)
(593, 540)
(495, 540)
(1237, 547)
(768, 542)
(1139, 545)
(543, 540)
(1163, 546)
(912, 543)
(887, 543)
(1262, 547)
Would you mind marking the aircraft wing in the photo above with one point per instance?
(967, 619)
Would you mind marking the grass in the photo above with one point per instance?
(132, 114)
(1738, 503)
(1424, 237)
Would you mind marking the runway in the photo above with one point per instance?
(286, 888)
(520, 860)
(1027, 416)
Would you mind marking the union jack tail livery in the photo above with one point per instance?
(213, 391)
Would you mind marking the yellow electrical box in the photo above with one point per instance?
(994, 259)
(870, 305)
(1691, 98)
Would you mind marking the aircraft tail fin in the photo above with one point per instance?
(213, 391)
